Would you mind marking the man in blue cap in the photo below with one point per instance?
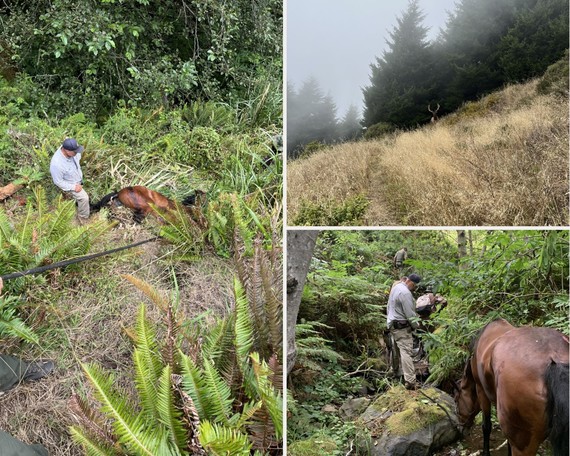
(67, 175)
(401, 321)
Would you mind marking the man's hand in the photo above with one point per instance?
(78, 188)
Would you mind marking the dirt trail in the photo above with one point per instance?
(378, 212)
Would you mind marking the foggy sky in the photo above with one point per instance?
(336, 41)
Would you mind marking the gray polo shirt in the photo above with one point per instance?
(401, 305)
(65, 172)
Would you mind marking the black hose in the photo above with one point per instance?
(62, 264)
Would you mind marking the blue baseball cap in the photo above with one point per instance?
(415, 278)
(71, 145)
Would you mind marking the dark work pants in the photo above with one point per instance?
(9, 446)
(12, 371)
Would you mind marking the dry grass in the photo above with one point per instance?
(331, 175)
(500, 161)
(86, 324)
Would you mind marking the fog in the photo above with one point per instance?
(336, 41)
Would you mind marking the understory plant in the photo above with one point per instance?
(45, 235)
(196, 390)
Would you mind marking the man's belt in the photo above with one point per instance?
(400, 324)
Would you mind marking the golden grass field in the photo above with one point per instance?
(501, 161)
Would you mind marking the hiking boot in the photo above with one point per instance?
(38, 369)
(411, 386)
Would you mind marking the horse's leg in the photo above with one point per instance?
(487, 425)
(138, 215)
(510, 450)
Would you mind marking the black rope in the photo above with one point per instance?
(62, 264)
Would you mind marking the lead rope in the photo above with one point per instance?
(62, 264)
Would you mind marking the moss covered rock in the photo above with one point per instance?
(404, 422)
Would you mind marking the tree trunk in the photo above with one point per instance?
(461, 246)
(300, 247)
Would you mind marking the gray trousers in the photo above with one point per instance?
(82, 199)
(405, 345)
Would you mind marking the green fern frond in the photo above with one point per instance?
(129, 427)
(147, 363)
(271, 398)
(243, 328)
(91, 445)
(182, 231)
(145, 383)
(6, 228)
(195, 385)
(249, 410)
(218, 440)
(219, 393)
(219, 341)
(11, 324)
(167, 412)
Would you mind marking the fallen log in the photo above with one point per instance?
(9, 190)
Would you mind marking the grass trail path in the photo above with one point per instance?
(378, 212)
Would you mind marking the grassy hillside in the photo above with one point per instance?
(212, 259)
(500, 161)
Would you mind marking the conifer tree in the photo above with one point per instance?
(349, 126)
(537, 39)
(311, 116)
(401, 82)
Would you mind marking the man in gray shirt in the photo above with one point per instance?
(67, 175)
(401, 311)
(400, 257)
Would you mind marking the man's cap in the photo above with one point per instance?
(415, 278)
(71, 145)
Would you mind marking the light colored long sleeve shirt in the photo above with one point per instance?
(65, 172)
(401, 305)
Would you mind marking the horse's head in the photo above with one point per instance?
(465, 395)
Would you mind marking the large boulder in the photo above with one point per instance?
(353, 407)
(412, 423)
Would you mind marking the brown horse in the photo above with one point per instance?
(524, 372)
(143, 201)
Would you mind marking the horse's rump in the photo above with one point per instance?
(523, 372)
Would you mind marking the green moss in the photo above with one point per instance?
(417, 417)
(412, 411)
(318, 445)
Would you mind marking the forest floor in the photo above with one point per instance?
(81, 316)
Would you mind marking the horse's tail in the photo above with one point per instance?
(556, 379)
(104, 201)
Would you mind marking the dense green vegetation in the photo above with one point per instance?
(484, 45)
(92, 55)
(521, 276)
(178, 97)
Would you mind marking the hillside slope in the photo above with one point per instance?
(500, 161)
